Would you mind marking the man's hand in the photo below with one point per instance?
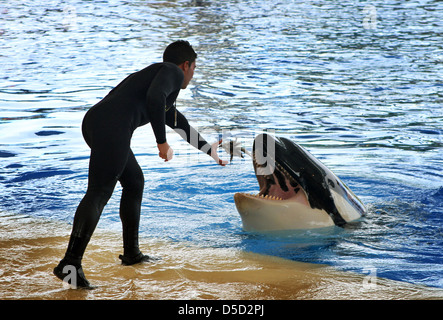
(165, 151)
(214, 154)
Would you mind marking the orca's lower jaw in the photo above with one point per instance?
(268, 213)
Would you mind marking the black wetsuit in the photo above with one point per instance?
(145, 96)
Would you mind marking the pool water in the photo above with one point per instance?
(359, 86)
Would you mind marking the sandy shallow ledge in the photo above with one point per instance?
(30, 248)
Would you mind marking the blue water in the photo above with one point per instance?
(358, 85)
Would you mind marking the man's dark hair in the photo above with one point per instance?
(179, 52)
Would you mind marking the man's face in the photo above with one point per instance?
(188, 71)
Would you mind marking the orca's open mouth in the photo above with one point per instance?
(275, 182)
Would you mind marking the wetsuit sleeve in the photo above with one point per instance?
(167, 82)
(186, 131)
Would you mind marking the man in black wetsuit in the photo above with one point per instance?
(145, 96)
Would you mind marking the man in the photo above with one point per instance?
(145, 96)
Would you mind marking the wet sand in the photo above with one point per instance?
(30, 248)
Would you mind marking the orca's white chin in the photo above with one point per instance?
(267, 213)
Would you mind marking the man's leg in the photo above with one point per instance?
(85, 220)
(132, 181)
(105, 167)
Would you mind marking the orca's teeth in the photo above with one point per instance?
(267, 197)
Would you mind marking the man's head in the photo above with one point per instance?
(183, 55)
(178, 52)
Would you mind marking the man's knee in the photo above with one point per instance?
(101, 191)
(134, 185)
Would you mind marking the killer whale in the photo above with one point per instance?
(297, 191)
